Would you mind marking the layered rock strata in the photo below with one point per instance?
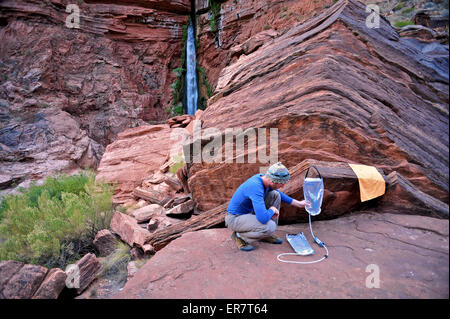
(335, 91)
(112, 72)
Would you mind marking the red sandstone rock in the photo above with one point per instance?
(182, 208)
(7, 270)
(105, 242)
(19, 281)
(24, 283)
(336, 91)
(242, 20)
(180, 120)
(51, 141)
(137, 153)
(52, 285)
(131, 269)
(410, 251)
(128, 229)
(112, 73)
(89, 267)
(145, 213)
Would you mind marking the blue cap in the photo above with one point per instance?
(278, 173)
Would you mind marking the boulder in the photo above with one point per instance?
(145, 213)
(174, 183)
(342, 195)
(128, 229)
(132, 269)
(135, 154)
(53, 284)
(7, 270)
(105, 242)
(148, 249)
(156, 178)
(182, 175)
(177, 200)
(24, 283)
(253, 43)
(152, 195)
(410, 253)
(89, 267)
(180, 120)
(182, 208)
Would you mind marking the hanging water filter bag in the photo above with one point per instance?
(313, 192)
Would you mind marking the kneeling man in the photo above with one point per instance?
(255, 206)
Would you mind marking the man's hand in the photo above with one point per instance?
(301, 204)
(276, 212)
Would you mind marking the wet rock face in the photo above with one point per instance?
(241, 20)
(336, 91)
(112, 73)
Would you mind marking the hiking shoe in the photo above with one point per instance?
(273, 240)
(240, 243)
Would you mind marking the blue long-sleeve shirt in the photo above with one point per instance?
(250, 196)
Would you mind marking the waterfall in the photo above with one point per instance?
(191, 76)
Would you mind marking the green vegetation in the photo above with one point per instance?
(203, 81)
(177, 86)
(115, 265)
(54, 224)
(179, 162)
(408, 10)
(399, 6)
(402, 23)
(215, 15)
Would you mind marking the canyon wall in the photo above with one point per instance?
(65, 93)
(336, 91)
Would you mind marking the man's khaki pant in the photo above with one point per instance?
(248, 227)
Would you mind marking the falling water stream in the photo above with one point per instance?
(191, 76)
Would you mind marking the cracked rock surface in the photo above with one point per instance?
(411, 253)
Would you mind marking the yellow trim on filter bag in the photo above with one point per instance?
(371, 183)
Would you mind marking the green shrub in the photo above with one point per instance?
(204, 79)
(402, 23)
(399, 6)
(179, 162)
(54, 224)
(115, 265)
(408, 10)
